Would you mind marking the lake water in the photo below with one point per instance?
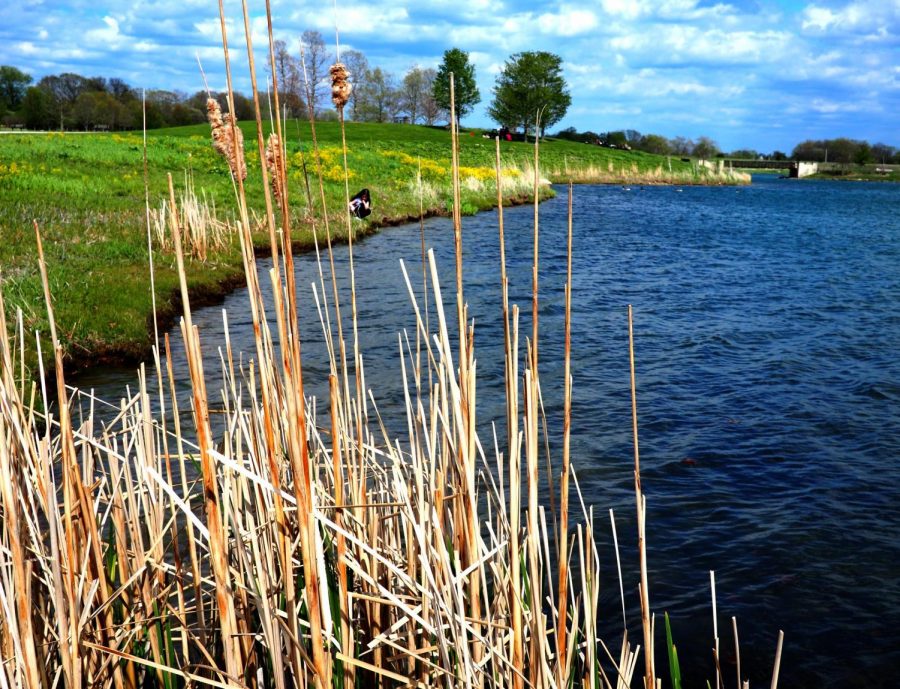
(767, 324)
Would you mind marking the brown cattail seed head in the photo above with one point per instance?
(227, 140)
(340, 87)
(274, 165)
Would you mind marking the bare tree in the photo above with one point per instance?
(416, 88)
(682, 146)
(379, 98)
(431, 111)
(287, 71)
(357, 64)
(317, 60)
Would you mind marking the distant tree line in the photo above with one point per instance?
(530, 89)
(846, 151)
(841, 150)
(631, 139)
(73, 101)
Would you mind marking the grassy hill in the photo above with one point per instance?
(86, 192)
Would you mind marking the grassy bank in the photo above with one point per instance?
(858, 175)
(293, 544)
(86, 192)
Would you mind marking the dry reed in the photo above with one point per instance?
(298, 546)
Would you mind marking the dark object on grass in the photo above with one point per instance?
(361, 204)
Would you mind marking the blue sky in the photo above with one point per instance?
(763, 74)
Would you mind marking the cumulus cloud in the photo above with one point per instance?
(689, 67)
(569, 21)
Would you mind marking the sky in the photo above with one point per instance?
(760, 74)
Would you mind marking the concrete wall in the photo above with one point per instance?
(804, 169)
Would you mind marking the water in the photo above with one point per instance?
(766, 326)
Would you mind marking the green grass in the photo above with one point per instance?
(858, 175)
(86, 193)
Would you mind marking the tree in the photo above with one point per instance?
(416, 88)
(809, 150)
(863, 155)
(378, 97)
(882, 153)
(682, 146)
(633, 137)
(39, 109)
(120, 90)
(705, 148)
(530, 83)
(316, 62)
(615, 139)
(13, 84)
(65, 87)
(431, 111)
(287, 73)
(357, 64)
(456, 62)
(655, 143)
(841, 150)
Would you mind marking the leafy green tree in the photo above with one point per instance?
(13, 83)
(530, 83)
(616, 139)
(39, 109)
(809, 150)
(863, 155)
(655, 143)
(705, 148)
(841, 150)
(456, 62)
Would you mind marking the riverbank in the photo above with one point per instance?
(87, 195)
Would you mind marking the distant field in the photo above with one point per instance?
(86, 193)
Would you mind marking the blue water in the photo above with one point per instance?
(766, 329)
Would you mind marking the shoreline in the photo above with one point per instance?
(123, 354)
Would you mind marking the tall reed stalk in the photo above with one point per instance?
(291, 546)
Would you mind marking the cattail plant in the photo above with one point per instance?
(228, 140)
(298, 546)
(340, 86)
(275, 165)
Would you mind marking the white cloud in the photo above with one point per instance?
(669, 66)
(863, 17)
(108, 35)
(679, 43)
(568, 22)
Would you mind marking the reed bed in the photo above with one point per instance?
(632, 174)
(296, 543)
(203, 232)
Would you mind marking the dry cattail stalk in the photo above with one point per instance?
(274, 164)
(228, 140)
(340, 87)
